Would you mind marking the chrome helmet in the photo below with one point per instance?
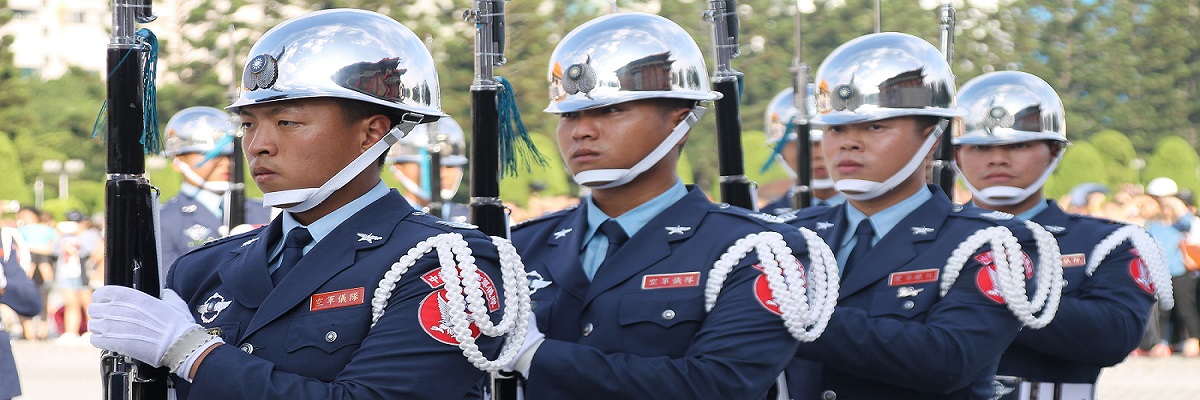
(343, 53)
(414, 147)
(1010, 107)
(881, 76)
(782, 109)
(624, 57)
(199, 130)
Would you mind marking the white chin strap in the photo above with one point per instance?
(219, 187)
(416, 190)
(305, 199)
(859, 189)
(814, 183)
(618, 177)
(1008, 195)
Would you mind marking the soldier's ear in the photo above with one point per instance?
(376, 127)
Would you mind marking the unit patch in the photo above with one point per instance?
(336, 299)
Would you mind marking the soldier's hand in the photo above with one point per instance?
(156, 332)
(533, 338)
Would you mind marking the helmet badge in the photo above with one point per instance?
(260, 73)
(997, 116)
(580, 78)
(846, 97)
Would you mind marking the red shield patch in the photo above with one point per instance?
(433, 319)
(1141, 275)
(762, 289)
(985, 279)
(434, 280)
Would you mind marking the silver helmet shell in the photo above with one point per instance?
(884, 75)
(782, 109)
(623, 57)
(1010, 107)
(342, 53)
(198, 130)
(409, 148)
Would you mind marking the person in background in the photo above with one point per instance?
(70, 275)
(410, 164)
(39, 237)
(781, 136)
(199, 142)
(18, 292)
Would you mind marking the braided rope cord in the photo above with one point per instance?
(805, 312)
(460, 275)
(1009, 262)
(1148, 249)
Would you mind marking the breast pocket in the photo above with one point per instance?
(904, 302)
(329, 331)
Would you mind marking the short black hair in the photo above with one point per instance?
(668, 105)
(357, 110)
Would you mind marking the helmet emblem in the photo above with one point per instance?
(260, 73)
(845, 97)
(997, 117)
(581, 78)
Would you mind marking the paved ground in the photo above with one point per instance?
(53, 371)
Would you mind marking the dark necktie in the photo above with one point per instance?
(616, 237)
(863, 235)
(293, 250)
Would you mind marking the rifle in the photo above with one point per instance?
(943, 159)
(487, 210)
(736, 188)
(235, 209)
(802, 122)
(437, 144)
(130, 244)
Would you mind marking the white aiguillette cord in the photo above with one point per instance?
(306, 199)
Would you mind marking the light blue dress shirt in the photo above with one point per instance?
(882, 221)
(211, 201)
(322, 227)
(596, 246)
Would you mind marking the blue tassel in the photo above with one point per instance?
(514, 138)
(151, 139)
(787, 134)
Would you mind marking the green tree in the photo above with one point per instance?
(12, 182)
(1081, 164)
(1118, 154)
(1175, 159)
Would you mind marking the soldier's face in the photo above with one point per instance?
(214, 170)
(1015, 165)
(616, 136)
(872, 151)
(819, 171)
(298, 144)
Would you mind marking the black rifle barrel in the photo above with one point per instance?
(235, 211)
(736, 189)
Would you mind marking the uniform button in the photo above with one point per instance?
(669, 314)
(587, 329)
(829, 395)
(330, 336)
(908, 305)
(247, 347)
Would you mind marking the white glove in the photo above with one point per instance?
(135, 324)
(533, 340)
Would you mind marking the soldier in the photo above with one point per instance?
(780, 113)
(18, 292)
(618, 279)
(410, 159)
(885, 100)
(1014, 138)
(199, 143)
(323, 96)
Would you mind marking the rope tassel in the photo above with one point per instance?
(1009, 261)
(514, 138)
(1149, 251)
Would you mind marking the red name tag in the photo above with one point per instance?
(1073, 260)
(913, 277)
(338, 299)
(667, 281)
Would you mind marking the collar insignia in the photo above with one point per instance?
(247, 243)
(1054, 228)
(824, 225)
(921, 230)
(677, 230)
(562, 233)
(368, 237)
